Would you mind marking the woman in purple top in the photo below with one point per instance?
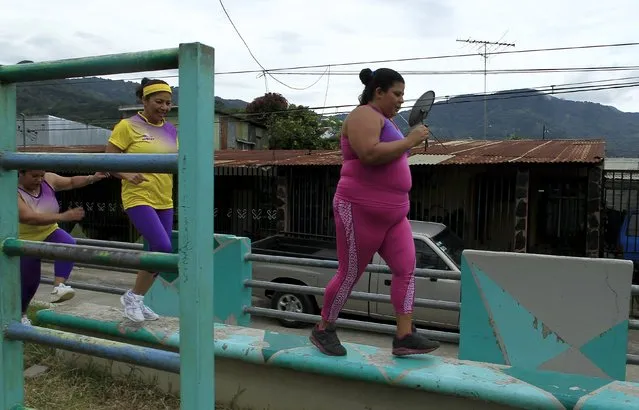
(39, 215)
(371, 205)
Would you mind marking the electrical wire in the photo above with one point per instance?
(436, 57)
(264, 70)
(447, 100)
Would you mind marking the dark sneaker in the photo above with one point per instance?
(327, 341)
(413, 343)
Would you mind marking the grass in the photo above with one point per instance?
(64, 386)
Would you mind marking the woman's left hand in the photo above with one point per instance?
(100, 175)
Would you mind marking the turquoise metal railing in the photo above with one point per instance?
(193, 163)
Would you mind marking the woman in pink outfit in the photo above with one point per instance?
(371, 205)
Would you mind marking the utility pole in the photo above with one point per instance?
(484, 45)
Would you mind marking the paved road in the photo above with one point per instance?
(125, 280)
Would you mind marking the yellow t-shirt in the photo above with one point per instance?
(136, 135)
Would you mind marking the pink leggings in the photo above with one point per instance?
(361, 232)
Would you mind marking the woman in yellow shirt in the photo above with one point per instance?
(147, 198)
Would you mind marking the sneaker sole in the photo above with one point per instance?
(321, 348)
(64, 298)
(402, 351)
(151, 319)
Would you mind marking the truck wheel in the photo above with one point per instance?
(292, 302)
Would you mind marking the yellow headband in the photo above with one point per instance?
(154, 88)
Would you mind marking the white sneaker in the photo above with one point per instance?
(25, 320)
(148, 313)
(133, 304)
(135, 309)
(61, 293)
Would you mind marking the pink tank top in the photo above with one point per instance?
(387, 185)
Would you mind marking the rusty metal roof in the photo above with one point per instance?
(517, 151)
(455, 152)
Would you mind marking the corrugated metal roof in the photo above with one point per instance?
(428, 159)
(449, 153)
(518, 151)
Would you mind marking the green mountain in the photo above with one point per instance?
(89, 100)
(521, 113)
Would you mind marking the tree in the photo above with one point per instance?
(263, 106)
(301, 128)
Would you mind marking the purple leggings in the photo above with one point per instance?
(155, 226)
(30, 268)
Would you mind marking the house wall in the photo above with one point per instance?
(51, 130)
(478, 202)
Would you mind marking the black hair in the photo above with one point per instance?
(145, 81)
(383, 78)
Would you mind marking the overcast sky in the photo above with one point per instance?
(288, 33)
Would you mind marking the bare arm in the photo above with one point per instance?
(60, 183)
(363, 129)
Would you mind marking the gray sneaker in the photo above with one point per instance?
(413, 343)
(327, 341)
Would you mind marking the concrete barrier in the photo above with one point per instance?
(230, 296)
(543, 313)
(283, 371)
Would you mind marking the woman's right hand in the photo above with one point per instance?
(74, 214)
(418, 135)
(133, 178)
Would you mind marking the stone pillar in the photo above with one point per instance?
(593, 211)
(281, 203)
(522, 185)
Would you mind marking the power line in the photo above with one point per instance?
(548, 70)
(264, 70)
(507, 71)
(439, 57)
(463, 98)
(460, 99)
(436, 57)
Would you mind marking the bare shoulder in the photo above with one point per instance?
(363, 117)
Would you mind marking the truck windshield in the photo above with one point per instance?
(451, 244)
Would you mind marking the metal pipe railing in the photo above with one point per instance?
(152, 60)
(324, 263)
(106, 349)
(89, 286)
(163, 163)
(134, 246)
(370, 297)
(348, 323)
(152, 261)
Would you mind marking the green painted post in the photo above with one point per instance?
(195, 219)
(11, 361)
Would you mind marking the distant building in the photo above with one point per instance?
(51, 130)
(230, 131)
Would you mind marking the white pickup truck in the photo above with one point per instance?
(437, 248)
